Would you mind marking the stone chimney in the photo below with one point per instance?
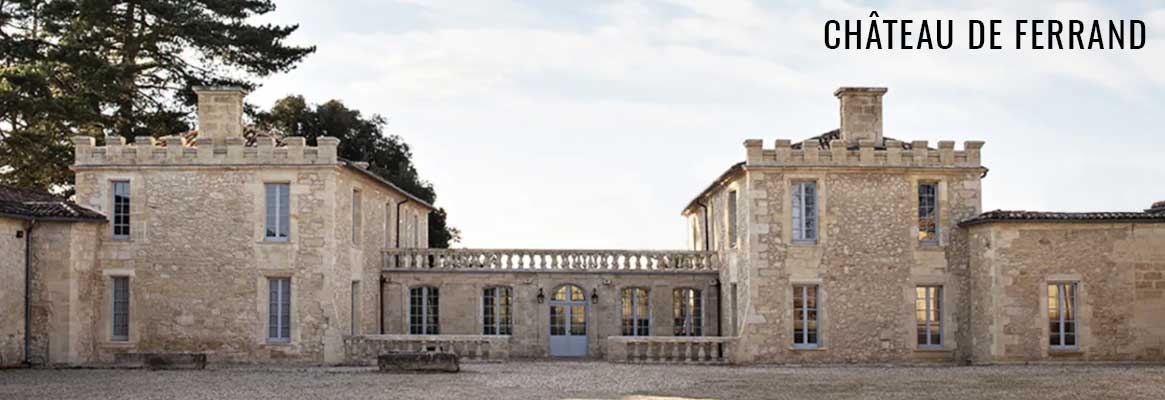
(861, 114)
(220, 112)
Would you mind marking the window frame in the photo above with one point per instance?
(279, 296)
(120, 308)
(930, 292)
(932, 220)
(803, 315)
(355, 317)
(685, 321)
(1061, 320)
(634, 324)
(282, 216)
(357, 216)
(428, 322)
(115, 214)
(492, 316)
(799, 217)
(733, 234)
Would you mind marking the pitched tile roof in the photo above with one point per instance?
(36, 204)
(1044, 216)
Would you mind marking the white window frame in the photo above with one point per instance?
(428, 321)
(120, 308)
(803, 233)
(279, 309)
(631, 318)
(689, 322)
(803, 315)
(282, 212)
(497, 316)
(117, 214)
(929, 317)
(1073, 302)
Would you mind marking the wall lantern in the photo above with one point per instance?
(594, 296)
(541, 296)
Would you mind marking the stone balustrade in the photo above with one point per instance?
(865, 154)
(529, 260)
(670, 349)
(364, 349)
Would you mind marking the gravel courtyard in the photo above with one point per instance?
(589, 380)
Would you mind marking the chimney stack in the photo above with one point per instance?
(861, 114)
(220, 112)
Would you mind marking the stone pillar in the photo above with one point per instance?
(861, 114)
(220, 112)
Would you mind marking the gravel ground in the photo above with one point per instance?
(558, 380)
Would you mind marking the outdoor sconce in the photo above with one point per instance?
(594, 296)
(541, 296)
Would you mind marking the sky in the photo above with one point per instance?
(591, 124)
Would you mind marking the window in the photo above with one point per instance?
(278, 221)
(416, 231)
(356, 217)
(636, 312)
(928, 213)
(687, 309)
(355, 307)
(423, 311)
(805, 305)
(1062, 315)
(735, 323)
(387, 224)
(804, 212)
(732, 219)
(928, 314)
(121, 210)
(120, 308)
(497, 308)
(279, 310)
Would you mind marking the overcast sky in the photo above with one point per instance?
(587, 124)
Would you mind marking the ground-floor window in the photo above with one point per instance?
(687, 307)
(805, 303)
(279, 309)
(120, 330)
(1062, 315)
(423, 305)
(928, 315)
(636, 312)
(497, 307)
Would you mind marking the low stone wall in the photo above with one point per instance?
(418, 361)
(670, 349)
(365, 349)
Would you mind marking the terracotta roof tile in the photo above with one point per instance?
(37, 204)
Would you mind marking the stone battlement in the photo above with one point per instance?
(866, 154)
(176, 150)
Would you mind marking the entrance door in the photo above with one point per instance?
(568, 322)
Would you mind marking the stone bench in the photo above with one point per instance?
(418, 361)
(161, 361)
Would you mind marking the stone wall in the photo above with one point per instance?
(64, 292)
(1118, 267)
(11, 292)
(460, 303)
(867, 262)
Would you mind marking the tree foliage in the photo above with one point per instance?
(362, 138)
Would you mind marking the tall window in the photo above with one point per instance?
(355, 307)
(423, 305)
(1062, 315)
(636, 312)
(279, 309)
(804, 196)
(416, 231)
(687, 308)
(387, 225)
(732, 219)
(928, 213)
(356, 217)
(120, 308)
(121, 210)
(928, 315)
(497, 311)
(278, 221)
(805, 303)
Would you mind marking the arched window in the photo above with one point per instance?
(688, 310)
(636, 312)
(423, 305)
(497, 311)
